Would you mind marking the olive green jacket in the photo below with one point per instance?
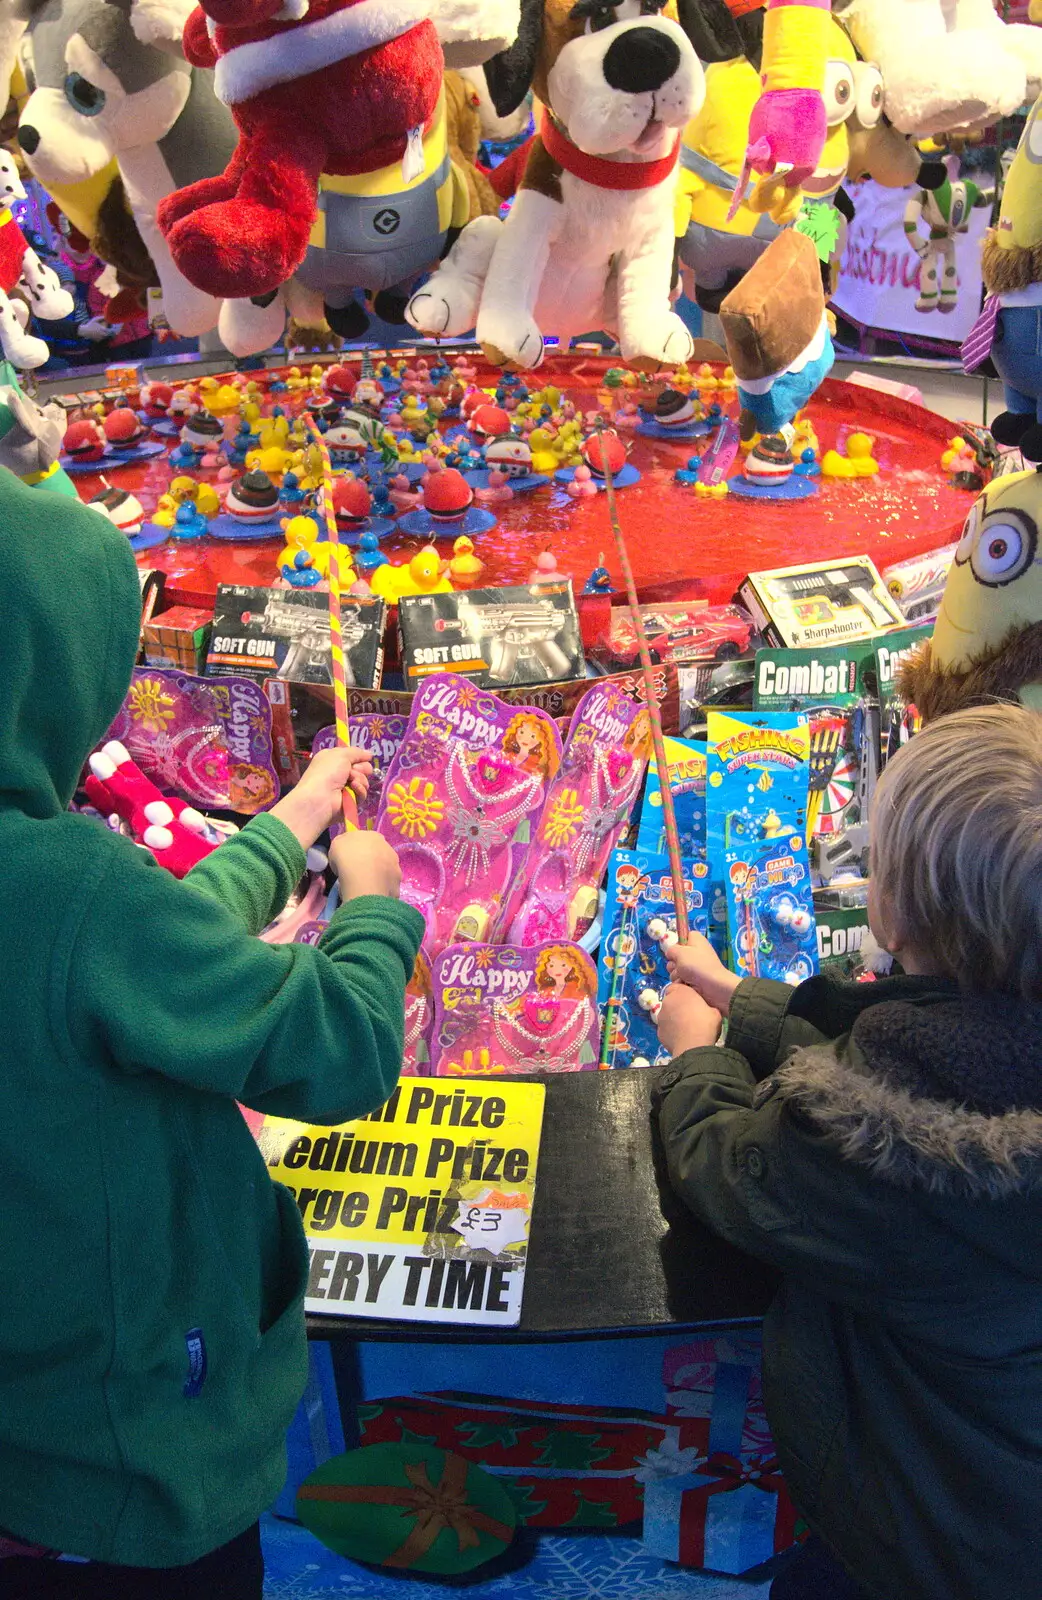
(903, 1353)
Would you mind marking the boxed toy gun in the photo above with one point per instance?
(264, 633)
(835, 688)
(639, 924)
(495, 637)
(918, 583)
(824, 602)
(898, 720)
(841, 931)
(756, 794)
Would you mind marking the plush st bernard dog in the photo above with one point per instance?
(589, 241)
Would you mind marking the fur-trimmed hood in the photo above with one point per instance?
(998, 674)
(945, 1097)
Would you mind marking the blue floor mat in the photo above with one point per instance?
(591, 1567)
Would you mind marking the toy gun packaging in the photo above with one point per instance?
(898, 720)
(496, 637)
(756, 794)
(918, 583)
(265, 633)
(640, 924)
(835, 689)
(824, 602)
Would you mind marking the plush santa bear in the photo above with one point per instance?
(316, 87)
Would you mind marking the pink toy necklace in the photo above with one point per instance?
(475, 784)
(539, 1033)
(609, 804)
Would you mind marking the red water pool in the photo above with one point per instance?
(673, 536)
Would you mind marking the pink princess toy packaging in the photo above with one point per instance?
(205, 739)
(587, 809)
(507, 1012)
(459, 803)
(381, 736)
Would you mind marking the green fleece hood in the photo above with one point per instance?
(72, 612)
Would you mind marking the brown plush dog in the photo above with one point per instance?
(589, 241)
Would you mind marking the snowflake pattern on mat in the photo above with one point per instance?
(594, 1567)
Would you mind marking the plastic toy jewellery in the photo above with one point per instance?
(381, 736)
(207, 738)
(501, 1010)
(458, 803)
(587, 807)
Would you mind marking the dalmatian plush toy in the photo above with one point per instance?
(22, 269)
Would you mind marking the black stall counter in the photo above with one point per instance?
(612, 1252)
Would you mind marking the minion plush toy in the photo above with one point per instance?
(720, 243)
(987, 642)
(1009, 327)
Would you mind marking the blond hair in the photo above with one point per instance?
(957, 848)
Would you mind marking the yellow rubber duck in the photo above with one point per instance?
(857, 462)
(250, 413)
(165, 513)
(464, 563)
(273, 460)
(219, 399)
(303, 548)
(421, 575)
(544, 456)
(804, 436)
(273, 431)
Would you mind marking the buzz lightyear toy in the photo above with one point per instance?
(946, 211)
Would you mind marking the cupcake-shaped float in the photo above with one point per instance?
(447, 509)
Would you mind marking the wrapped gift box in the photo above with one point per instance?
(570, 1466)
(714, 1496)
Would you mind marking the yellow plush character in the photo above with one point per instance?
(720, 243)
(987, 642)
(1011, 260)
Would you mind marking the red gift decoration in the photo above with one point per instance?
(569, 1466)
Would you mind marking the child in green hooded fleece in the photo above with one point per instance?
(152, 1346)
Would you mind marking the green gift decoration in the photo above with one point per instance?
(407, 1506)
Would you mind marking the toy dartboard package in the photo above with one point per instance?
(686, 763)
(381, 736)
(499, 638)
(898, 720)
(207, 739)
(459, 802)
(639, 915)
(588, 806)
(756, 795)
(264, 633)
(503, 1011)
(835, 688)
(823, 602)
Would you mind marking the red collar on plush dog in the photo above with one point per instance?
(596, 170)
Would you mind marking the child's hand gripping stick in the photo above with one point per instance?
(171, 830)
